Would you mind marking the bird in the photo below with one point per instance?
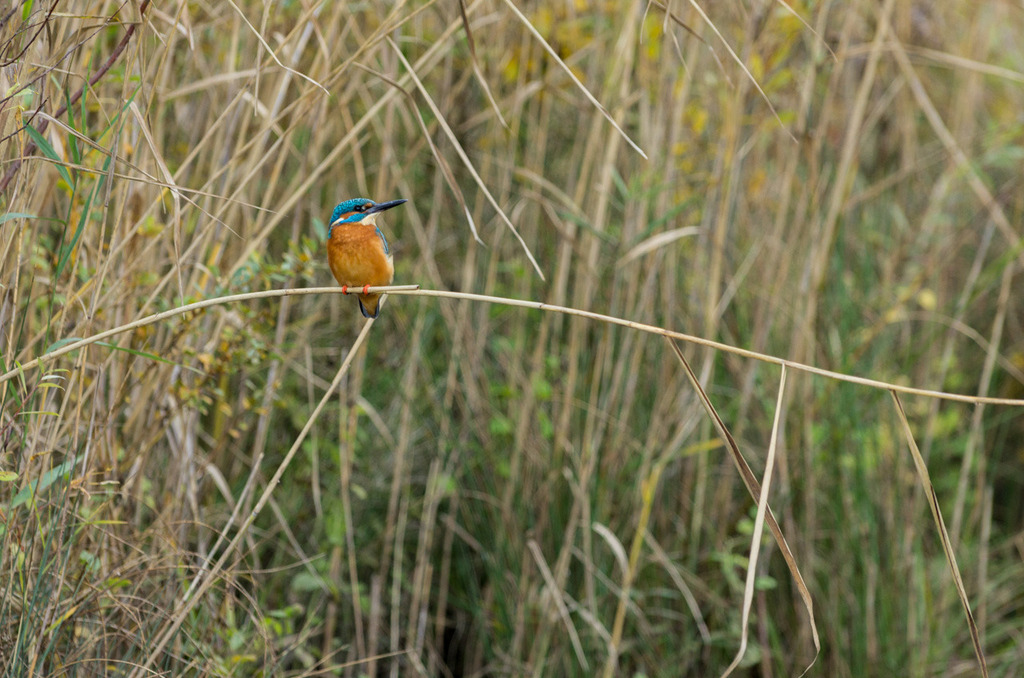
(357, 251)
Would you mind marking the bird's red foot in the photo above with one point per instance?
(344, 289)
(366, 289)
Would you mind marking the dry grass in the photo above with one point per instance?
(499, 490)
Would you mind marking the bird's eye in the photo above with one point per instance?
(360, 208)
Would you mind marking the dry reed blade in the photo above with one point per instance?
(471, 41)
(555, 595)
(758, 531)
(753, 487)
(270, 50)
(465, 158)
(743, 66)
(940, 525)
(568, 71)
(956, 152)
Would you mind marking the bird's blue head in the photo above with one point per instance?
(355, 210)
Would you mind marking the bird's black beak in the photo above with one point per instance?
(381, 206)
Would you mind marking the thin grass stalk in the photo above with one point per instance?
(974, 439)
(647, 493)
(348, 428)
(397, 577)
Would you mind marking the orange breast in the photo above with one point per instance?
(356, 256)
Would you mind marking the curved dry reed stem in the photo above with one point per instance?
(414, 290)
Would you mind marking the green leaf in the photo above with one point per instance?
(86, 209)
(60, 343)
(320, 229)
(49, 152)
(42, 484)
(142, 354)
(4, 218)
(304, 582)
(91, 562)
(73, 150)
(151, 356)
(8, 476)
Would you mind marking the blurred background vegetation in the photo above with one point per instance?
(500, 491)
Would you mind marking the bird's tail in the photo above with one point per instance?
(369, 304)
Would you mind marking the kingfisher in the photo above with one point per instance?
(357, 250)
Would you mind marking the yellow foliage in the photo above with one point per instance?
(927, 299)
(697, 117)
(652, 37)
(756, 67)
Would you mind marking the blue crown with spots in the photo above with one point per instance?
(357, 205)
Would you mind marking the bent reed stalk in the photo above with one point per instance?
(415, 290)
